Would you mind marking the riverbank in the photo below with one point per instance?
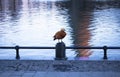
(60, 65)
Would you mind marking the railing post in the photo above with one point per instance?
(17, 52)
(105, 52)
(60, 51)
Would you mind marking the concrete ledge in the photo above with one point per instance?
(59, 65)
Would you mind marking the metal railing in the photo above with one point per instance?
(60, 49)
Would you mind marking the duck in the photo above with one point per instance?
(60, 35)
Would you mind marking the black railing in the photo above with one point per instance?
(60, 50)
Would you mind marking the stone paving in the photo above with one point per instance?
(59, 65)
(58, 74)
(59, 68)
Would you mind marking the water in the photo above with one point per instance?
(34, 22)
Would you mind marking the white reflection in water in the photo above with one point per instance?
(105, 30)
(35, 26)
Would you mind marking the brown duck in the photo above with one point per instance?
(60, 35)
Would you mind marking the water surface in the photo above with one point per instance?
(34, 22)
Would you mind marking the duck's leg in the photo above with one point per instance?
(61, 40)
(58, 40)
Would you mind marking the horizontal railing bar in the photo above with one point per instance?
(36, 47)
(7, 47)
(29, 47)
(92, 47)
(113, 47)
(84, 47)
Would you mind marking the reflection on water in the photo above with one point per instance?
(97, 25)
(34, 22)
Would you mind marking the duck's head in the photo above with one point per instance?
(62, 29)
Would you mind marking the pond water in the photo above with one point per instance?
(34, 23)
